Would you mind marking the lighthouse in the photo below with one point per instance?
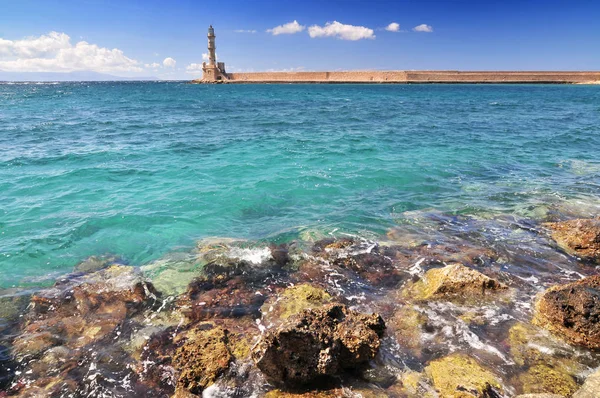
(213, 71)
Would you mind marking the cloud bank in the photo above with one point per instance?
(341, 31)
(423, 28)
(393, 27)
(287, 29)
(54, 52)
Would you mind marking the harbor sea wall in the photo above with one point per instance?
(414, 77)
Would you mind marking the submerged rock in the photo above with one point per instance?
(572, 311)
(364, 259)
(77, 312)
(453, 280)
(407, 326)
(531, 345)
(68, 342)
(318, 343)
(591, 387)
(95, 263)
(460, 376)
(580, 237)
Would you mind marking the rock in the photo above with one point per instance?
(364, 259)
(95, 263)
(12, 305)
(319, 343)
(572, 311)
(181, 393)
(172, 273)
(191, 357)
(580, 237)
(227, 298)
(460, 376)
(280, 254)
(334, 393)
(451, 281)
(202, 359)
(407, 326)
(531, 345)
(539, 396)
(382, 376)
(414, 385)
(545, 379)
(294, 300)
(79, 311)
(591, 387)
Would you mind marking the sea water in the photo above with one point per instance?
(138, 170)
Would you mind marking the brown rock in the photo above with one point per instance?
(580, 237)
(367, 260)
(572, 311)
(202, 359)
(77, 312)
(318, 343)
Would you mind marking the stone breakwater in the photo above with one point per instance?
(410, 316)
(414, 77)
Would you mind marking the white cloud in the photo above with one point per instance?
(393, 27)
(153, 65)
(193, 68)
(341, 31)
(205, 56)
(244, 31)
(169, 62)
(287, 29)
(423, 28)
(54, 52)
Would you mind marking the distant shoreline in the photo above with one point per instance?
(413, 77)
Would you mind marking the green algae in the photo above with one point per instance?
(546, 379)
(294, 300)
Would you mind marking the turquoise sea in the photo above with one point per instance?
(139, 170)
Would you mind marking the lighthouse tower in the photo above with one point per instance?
(213, 71)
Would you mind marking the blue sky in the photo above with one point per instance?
(165, 38)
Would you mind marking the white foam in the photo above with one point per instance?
(255, 256)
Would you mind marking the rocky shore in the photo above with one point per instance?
(406, 316)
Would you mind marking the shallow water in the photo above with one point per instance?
(137, 170)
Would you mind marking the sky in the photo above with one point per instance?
(167, 39)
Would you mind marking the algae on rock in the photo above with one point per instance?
(453, 280)
(545, 379)
(460, 376)
(202, 359)
(294, 300)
